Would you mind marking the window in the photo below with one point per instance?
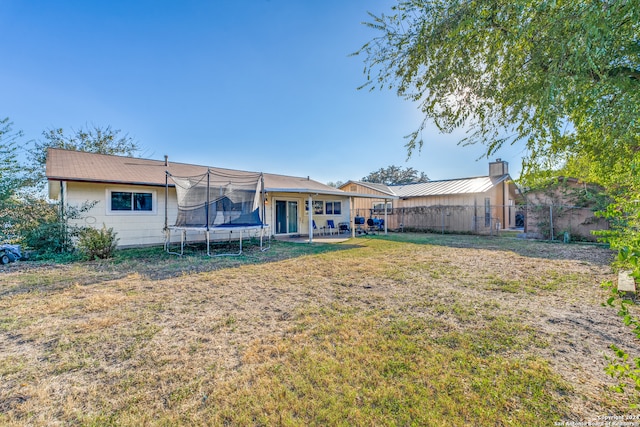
(487, 212)
(333, 208)
(318, 207)
(378, 208)
(129, 201)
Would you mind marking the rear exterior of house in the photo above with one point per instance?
(478, 204)
(370, 207)
(139, 222)
(138, 200)
(294, 204)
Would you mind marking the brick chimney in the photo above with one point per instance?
(498, 168)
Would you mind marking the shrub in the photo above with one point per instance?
(41, 226)
(97, 244)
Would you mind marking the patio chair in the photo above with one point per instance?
(316, 229)
(331, 227)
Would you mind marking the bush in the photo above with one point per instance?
(97, 244)
(41, 226)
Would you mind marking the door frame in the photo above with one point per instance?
(287, 200)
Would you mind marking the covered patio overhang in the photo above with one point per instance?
(311, 193)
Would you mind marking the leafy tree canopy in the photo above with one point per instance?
(10, 171)
(395, 175)
(562, 76)
(93, 140)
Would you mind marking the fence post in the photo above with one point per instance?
(551, 221)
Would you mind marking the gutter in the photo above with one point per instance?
(93, 181)
(327, 193)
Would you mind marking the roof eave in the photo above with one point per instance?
(112, 182)
(326, 193)
(371, 187)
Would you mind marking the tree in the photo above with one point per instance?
(10, 175)
(93, 140)
(35, 222)
(395, 175)
(562, 76)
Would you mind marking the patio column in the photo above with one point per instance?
(352, 224)
(385, 217)
(310, 219)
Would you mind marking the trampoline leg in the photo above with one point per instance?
(262, 248)
(167, 240)
(167, 243)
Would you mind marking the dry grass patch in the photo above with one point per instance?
(431, 330)
(342, 368)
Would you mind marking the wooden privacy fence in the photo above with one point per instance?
(550, 222)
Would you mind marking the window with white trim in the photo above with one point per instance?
(130, 201)
(318, 207)
(333, 208)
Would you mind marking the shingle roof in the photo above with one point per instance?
(71, 165)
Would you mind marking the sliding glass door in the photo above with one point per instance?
(286, 216)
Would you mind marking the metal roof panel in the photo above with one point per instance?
(450, 186)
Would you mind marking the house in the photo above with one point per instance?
(564, 209)
(137, 198)
(477, 204)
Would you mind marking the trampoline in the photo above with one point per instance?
(223, 204)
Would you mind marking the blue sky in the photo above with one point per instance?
(261, 85)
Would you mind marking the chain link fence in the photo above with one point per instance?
(562, 222)
(551, 222)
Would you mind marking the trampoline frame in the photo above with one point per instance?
(208, 230)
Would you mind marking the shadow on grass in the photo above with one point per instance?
(195, 259)
(598, 254)
(151, 263)
(155, 264)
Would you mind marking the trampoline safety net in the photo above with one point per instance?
(218, 199)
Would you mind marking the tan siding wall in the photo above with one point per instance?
(469, 208)
(445, 212)
(133, 228)
(146, 228)
(362, 206)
